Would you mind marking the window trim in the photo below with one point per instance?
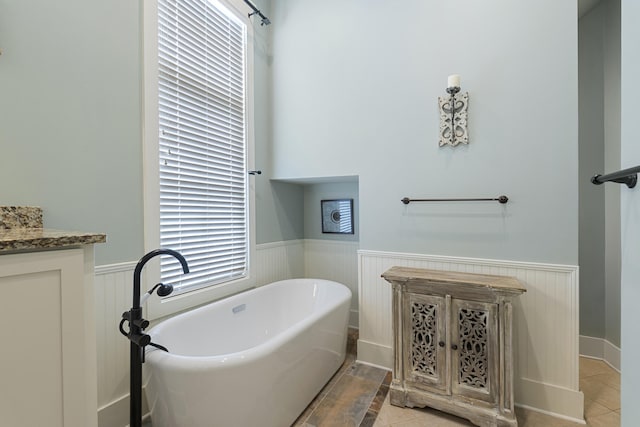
(157, 307)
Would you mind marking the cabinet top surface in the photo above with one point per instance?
(21, 229)
(416, 275)
(31, 239)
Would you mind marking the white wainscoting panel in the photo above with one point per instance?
(113, 295)
(545, 323)
(279, 261)
(334, 260)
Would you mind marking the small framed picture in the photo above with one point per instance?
(337, 216)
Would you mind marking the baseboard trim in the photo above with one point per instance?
(601, 349)
(372, 364)
(612, 356)
(375, 354)
(591, 347)
(559, 402)
(552, 414)
(116, 413)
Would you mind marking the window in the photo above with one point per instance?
(200, 93)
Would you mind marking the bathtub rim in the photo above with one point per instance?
(188, 363)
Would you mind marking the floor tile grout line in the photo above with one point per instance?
(334, 380)
(328, 391)
(371, 404)
(608, 412)
(344, 369)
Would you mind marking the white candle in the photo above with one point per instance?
(453, 80)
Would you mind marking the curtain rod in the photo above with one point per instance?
(265, 20)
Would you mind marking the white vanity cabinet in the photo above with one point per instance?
(452, 343)
(47, 339)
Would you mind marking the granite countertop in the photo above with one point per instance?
(21, 229)
(42, 238)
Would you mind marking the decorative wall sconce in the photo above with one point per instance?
(453, 114)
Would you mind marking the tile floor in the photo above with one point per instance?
(599, 382)
(357, 396)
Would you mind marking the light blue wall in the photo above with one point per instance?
(599, 66)
(314, 194)
(355, 87)
(70, 133)
(612, 163)
(592, 206)
(279, 211)
(279, 206)
(70, 111)
(348, 97)
(630, 218)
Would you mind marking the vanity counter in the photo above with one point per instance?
(31, 239)
(21, 230)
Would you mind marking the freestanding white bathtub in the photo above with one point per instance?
(254, 359)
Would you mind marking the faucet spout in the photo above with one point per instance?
(138, 270)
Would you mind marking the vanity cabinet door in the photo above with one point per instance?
(425, 342)
(474, 350)
(47, 359)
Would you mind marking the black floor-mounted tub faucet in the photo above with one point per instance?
(137, 325)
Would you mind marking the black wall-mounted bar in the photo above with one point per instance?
(625, 176)
(256, 11)
(502, 199)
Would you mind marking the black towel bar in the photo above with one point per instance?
(502, 199)
(625, 176)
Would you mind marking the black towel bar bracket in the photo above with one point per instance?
(501, 199)
(625, 176)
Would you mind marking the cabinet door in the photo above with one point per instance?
(44, 374)
(474, 349)
(425, 341)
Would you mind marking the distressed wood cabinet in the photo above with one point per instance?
(453, 343)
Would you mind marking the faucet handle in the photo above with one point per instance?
(141, 340)
(141, 323)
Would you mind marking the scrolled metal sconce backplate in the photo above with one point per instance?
(453, 119)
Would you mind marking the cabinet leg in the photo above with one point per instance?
(397, 397)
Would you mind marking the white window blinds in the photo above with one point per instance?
(202, 121)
